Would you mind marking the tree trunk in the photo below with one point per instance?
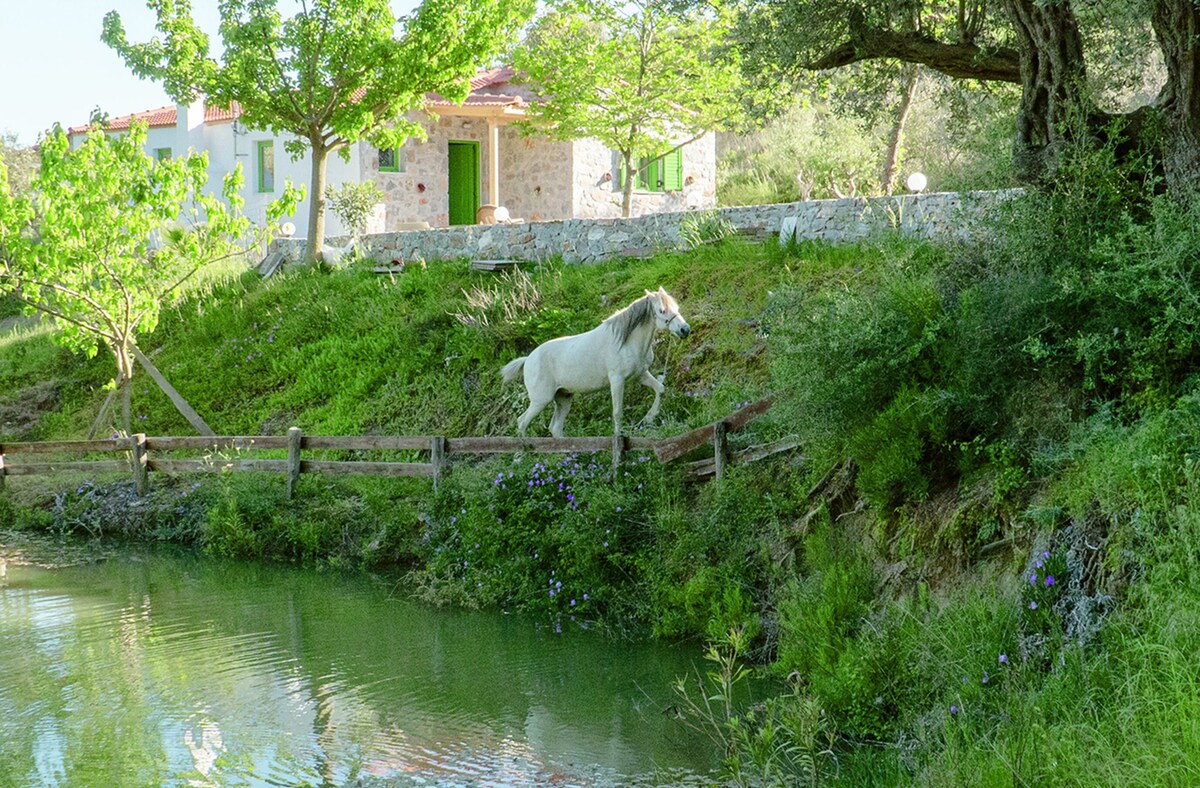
(627, 189)
(1177, 28)
(891, 162)
(316, 211)
(124, 376)
(1053, 110)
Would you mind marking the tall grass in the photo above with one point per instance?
(982, 570)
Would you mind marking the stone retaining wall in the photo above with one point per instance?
(592, 240)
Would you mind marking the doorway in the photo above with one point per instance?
(464, 181)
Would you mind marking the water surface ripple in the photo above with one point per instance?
(168, 669)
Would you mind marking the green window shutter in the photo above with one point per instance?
(672, 165)
(266, 165)
(391, 159)
(649, 175)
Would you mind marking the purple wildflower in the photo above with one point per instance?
(953, 709)
(1049, 580)
(1003, 659)
(1033, 605)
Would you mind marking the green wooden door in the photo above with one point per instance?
(464, 182)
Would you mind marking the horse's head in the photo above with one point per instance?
(666, 313)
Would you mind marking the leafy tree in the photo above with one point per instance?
(333, 74)
(1042, 45)
(108, 235)
(353, 203)
(633, 75)
(20, 160)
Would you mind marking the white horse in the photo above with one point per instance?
(609, 354)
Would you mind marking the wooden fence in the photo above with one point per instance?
(141, 454)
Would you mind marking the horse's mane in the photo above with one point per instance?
(625, 321)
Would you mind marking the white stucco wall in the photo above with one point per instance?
(229, 144)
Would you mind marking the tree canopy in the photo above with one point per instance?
(1062, 54)
(336, 72)
(637, 76)
(107, 235)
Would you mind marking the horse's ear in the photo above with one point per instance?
(662, 290)
(649, 293)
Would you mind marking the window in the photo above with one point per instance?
(266, 166)
(162, 154)
(663, 174)
(391, 159)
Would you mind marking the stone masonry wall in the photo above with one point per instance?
(592, 240)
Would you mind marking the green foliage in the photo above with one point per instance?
(21, 162)
(801, 154)
(783, 741)
(613, 71)
(711, 562)
(962, 382)
(554, 537)
(113, 235)
(353, 203)
(703, 227)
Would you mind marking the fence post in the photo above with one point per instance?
(437, 458)
(141, 461)
(294, 435)
(1, 470)
(720, 449)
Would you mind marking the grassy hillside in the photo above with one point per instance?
(980, 569)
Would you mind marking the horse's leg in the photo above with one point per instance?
(649, 380)
(562, 406)
(616, 384)
(536, 406)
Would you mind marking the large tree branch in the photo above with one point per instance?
(961, 61)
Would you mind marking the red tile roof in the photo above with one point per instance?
(489, 88)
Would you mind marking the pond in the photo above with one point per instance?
(157, 668)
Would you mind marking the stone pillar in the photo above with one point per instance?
(493, 162)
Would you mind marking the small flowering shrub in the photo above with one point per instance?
(1042, 592)
(546, 534)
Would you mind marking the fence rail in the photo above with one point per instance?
(141, 454)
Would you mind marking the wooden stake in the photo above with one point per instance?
(141, 470)
(176, 399)
(1, 470)
(437, 458)
(720, 449)
(294, 436)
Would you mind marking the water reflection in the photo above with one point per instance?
(168, 670)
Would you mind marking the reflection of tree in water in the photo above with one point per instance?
(240, 670)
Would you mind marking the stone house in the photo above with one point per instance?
(473, 160)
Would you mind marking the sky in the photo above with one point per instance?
(54, 68)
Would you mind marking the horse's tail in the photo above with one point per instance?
(510, 370)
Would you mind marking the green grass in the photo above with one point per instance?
(981, 422)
